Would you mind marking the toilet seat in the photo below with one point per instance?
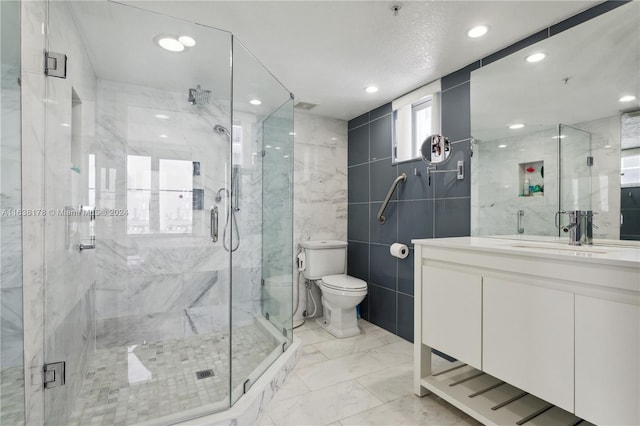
(343, 283)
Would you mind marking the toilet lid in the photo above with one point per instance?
(344, 282)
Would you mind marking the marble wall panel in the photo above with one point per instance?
(320, 187)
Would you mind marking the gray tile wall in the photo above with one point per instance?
(417, 210)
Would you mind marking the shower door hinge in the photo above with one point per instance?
(55, 64)
(264, 152)
(246, 385)
(54, 374)
(262, 282)
(589, 161)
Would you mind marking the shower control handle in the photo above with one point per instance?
(214, 224)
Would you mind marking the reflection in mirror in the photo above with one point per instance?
(435, 149)
(557, 144)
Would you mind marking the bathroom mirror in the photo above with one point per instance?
(435, 150)
(558, 126)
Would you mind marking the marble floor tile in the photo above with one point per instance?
(408, 410)
(338, 370)
(340, 382)
(394, 353)
(323, 406)
(310, 355)
(294, 386)
(390, 384)
(314, 335)
(341, 347)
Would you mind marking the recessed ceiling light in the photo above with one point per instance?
(170, 44)
(162, 116)
(292, 133)
(164, 136)
(267, 146)
(558, 137)
(502, 146)
(536, 57)
(627, 98)
(477, 31)
(65, 124)
(607, 146)
(187, 41)
(334, 139)
(285, 156)
(277, 147)
(255, 102)
(516, 126)
(371, 89)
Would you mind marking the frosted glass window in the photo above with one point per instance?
(176, 196)
(138, 194)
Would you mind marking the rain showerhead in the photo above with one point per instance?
(199, 96)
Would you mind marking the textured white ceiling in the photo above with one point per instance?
(326, 52)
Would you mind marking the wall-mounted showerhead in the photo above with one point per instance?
(222, 130)
(199, 96)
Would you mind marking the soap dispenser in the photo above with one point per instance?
(525, 188)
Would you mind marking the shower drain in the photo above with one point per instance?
(204, 374)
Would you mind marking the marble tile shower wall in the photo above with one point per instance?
(11, 228)
(496, 191)
(417, 210)
(162, 286)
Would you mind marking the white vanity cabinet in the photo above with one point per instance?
(528, 337)
(607, 363)
(455, 331)
(558, 325)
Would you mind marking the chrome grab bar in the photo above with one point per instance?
(520, 227)
(401, 178)
(214, 224)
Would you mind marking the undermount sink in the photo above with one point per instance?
(585, 249)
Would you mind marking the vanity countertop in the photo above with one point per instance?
(544, 247)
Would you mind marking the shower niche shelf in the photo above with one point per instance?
(534, 171)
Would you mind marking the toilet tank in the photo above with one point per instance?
(324, 257)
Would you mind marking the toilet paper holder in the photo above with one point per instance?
(401, 251)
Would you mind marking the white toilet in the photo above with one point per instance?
(325, 262)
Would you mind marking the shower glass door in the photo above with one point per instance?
(574, 152)
(138, 174)
(262, 131)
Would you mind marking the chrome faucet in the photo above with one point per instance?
(580, 227)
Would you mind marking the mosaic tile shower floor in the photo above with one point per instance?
(129, 385)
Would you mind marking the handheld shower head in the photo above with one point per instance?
(222, 130)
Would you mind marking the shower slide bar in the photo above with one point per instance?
(401, 178)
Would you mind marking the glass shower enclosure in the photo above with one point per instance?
(168, 170)
(520, 182)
